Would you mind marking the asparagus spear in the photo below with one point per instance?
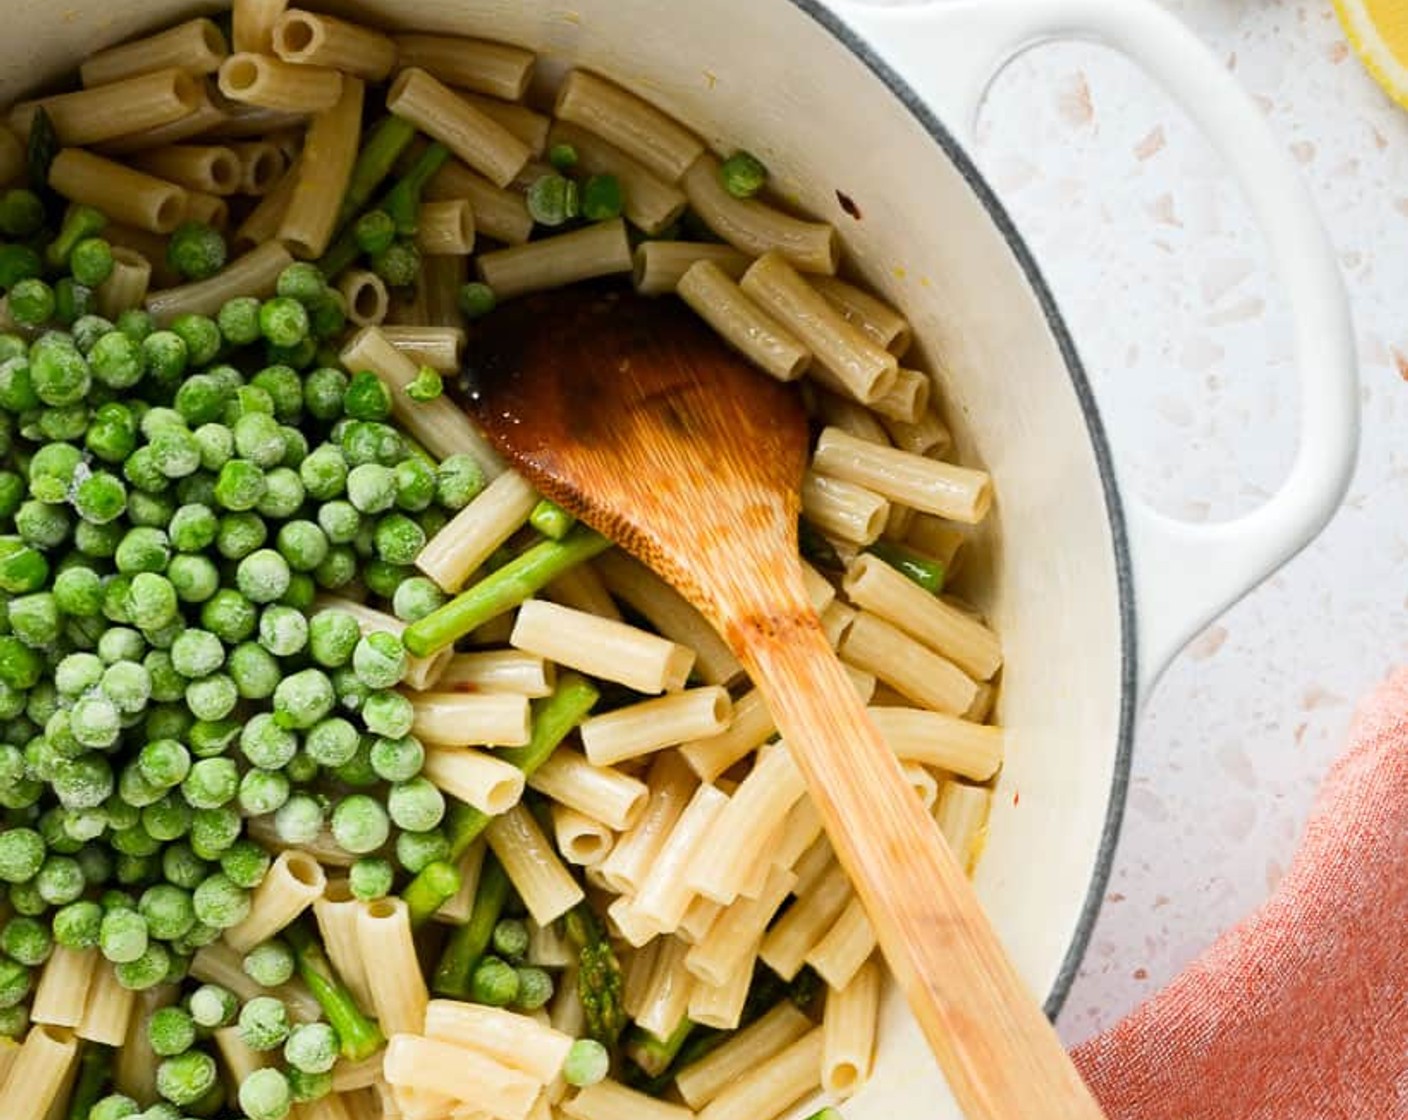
(360, 1036)
(469, 942)
(599, 979)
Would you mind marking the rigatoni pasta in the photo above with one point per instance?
(602, 648)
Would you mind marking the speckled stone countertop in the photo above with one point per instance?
(1163, 280)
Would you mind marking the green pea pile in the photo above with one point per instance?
(173, 502)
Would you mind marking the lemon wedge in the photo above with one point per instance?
(1378, 31)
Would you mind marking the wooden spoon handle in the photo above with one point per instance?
(1001, 1056)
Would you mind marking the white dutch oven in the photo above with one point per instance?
(1092, 591)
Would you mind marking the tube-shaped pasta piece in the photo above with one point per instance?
(107, 1013)
(497, 69)
(755, 811)
(600, 249)
(294, 881)
(446, 229)
(125, 195)
(843, 509)
(567, 1014)
(518, 1041)
(457, 908)
(924, 784)
(792, 937)
(253, 23)
(329, 154)
(197, 46)
(199, 122)
(771, 1088)
(336, 914)
(261, 166)
(958, 493)
(742, 323)
(91, 116)
(441, 1067)
(881, 322)
(197, 167)
(666, 892)
(669, 612)
(666, 997)
(625, 923)
(398, 989)
(671, 786)
(816, 863)
(360, 1104)
(962, 812)
(263, 222)
(848, 944)
(928, 435)
(254, 274)
(752, 726)
(907, 399)
(582, 589)
(732, 941)
(602, 648)
(651, 204)
(347, 1077)
(639, 966)
(938, 538)
(366, 296)
(848, 1033)
(244, 121)
(875, 586)
(46, 1060)
(661, 265)
(62, 994)
(498, 213)
(134, 1072)
(12, 157)
(238, 1057)
(312, 39)
(898, 523)
(499, 671)
(754, 227)
(842, 412)
(798, 833)
(532, 866)
(217, 963)
(530, 127)
(440, 427)
(610, 1100)
(636, 127)
(207, 209)
(476, 778)
(753, 1047)
(862, 369)
(652, 725)
(615, 799)
(699, 918)
(836, 620)
(908, 666)
(441, 281)
(435, 109)
(720, 1006)
(472, 536)
(127, 285)
(461, 719)
(582, 840)
(271, 83)
(412, 1103)
(549, 947)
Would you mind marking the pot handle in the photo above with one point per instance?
(1185, 574)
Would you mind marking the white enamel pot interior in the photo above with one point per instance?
(1091, 592)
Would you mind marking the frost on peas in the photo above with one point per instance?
(229, 615)
(265, 1094)
(254, 670)
(379, 660)
(95, 722)
(240, 485)
(332, 637)
(300, 820)
(123, 935)
(165, 354)
(263, 792)
(219, 903)
(246, 864)
(213, 1007)
(175, 452)
(100, 498)
(388, 714)
(416, 805)
(398, 539)
(269, 964)
(332, 742)
(312, 1048)
(259, 439)
(152, 602)
(77, 673)
(27, 940)
(197, 653)
(360, 824)
(212, 782)
(168, 911)
(185, 1079)
(266, 745)
(195, 578)
(283, 493)
(458, 481)
(303, 544)
(370, 878)
(240, 534)
(171, 1031)
(303, 699)
(128, 685)
(212, 698)
(262, 576)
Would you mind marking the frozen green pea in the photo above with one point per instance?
(77, 673)
(100, 498)
(535, 989)
(380, 660)
(78, 925)
(164, 763)
(214, 830)
(323, 390)
(416, 851)
(312, 1048)
(212, 782)
(213, 1007)
(332, 637)
(41, 524)
(238, 321)
(370, 878)
(265, 1095)
(229, 616)
(300, 820)
(20, 666)
(302, 699)
(494, 983)
(388, 714)
(22, 568)
(259, 439)
(15, 983)
(200, 399)
(285, 389)
(303, 545)
(262, 576)
(152, 511)
(416, 805)
(187, 1078)
(359, 824)
(143, 550)
(476, 300)
(220, 903)
(369, 441)
(95, 722)
(168, 911)
(367, 398)
(217, 447)
(35, 619)
(240, 534)
(171, 1031)
(324, 473)
(338, 569)
(331, 742)
(245, 863)
(283, 494)
(183, 867)
(269, 964)
(152, 601)
(123, 935)
(98, 542)
(166, 684)
(201, 336)
(196, 250)
(428, 385)
(194, 578)
(175, 452)
(254, 670)
(213, 697)
(168, 819)
(371, 488)
(27, 941)
(267, 745)
(588, 1063)
(263, 792)
(31, 302)
(340, 521)
(399, 540)
(240, 485)
(458, 481)
(197, 653)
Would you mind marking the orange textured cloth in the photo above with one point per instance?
(1301, 1012)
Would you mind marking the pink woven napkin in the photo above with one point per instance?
(1300, 1012)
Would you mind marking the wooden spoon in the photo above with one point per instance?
(630, 413)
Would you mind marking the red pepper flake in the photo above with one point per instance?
(1141, 974)
(848, 204)
(1016, 798)
(1400, 361)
